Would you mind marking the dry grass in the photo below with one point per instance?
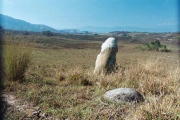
(61, 83)
(17, 58)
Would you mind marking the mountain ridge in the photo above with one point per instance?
(170, 28)
(11, 23)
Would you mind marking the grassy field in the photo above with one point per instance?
(60, 80)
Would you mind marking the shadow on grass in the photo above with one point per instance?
(3, 104)
(3, 107)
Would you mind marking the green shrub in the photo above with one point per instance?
(157, 43)
(17, 59)
(164, 49)
(147, 46)
(155, 46)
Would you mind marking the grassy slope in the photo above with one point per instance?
(52, 82)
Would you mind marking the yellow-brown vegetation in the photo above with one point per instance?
(61, 82)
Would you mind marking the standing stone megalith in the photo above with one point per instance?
(106, 59)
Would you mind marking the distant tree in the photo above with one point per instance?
(125, 35)
(47, 33)
(25, 33)
(1, 27)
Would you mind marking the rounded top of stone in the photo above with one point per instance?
(124, 95)
(123, 90)
(109, 43)
(110, 38)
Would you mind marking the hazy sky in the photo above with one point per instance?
(62, 14)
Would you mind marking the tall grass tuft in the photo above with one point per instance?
(17, 59)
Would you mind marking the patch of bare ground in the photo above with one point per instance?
(22, 110)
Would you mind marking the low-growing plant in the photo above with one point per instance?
(17, 59)
(155, 46)
(164, 49)
(60, 75)
(145, 46)
(79, 79)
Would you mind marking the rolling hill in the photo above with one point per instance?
(21, 25)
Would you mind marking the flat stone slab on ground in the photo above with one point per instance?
(124, 95)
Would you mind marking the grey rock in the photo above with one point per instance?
(124, 95)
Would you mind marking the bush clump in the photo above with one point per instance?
(17, 59)
(155, 46)
(47, 33)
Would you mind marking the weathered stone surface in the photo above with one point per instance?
(124, 95)
(106, 60)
